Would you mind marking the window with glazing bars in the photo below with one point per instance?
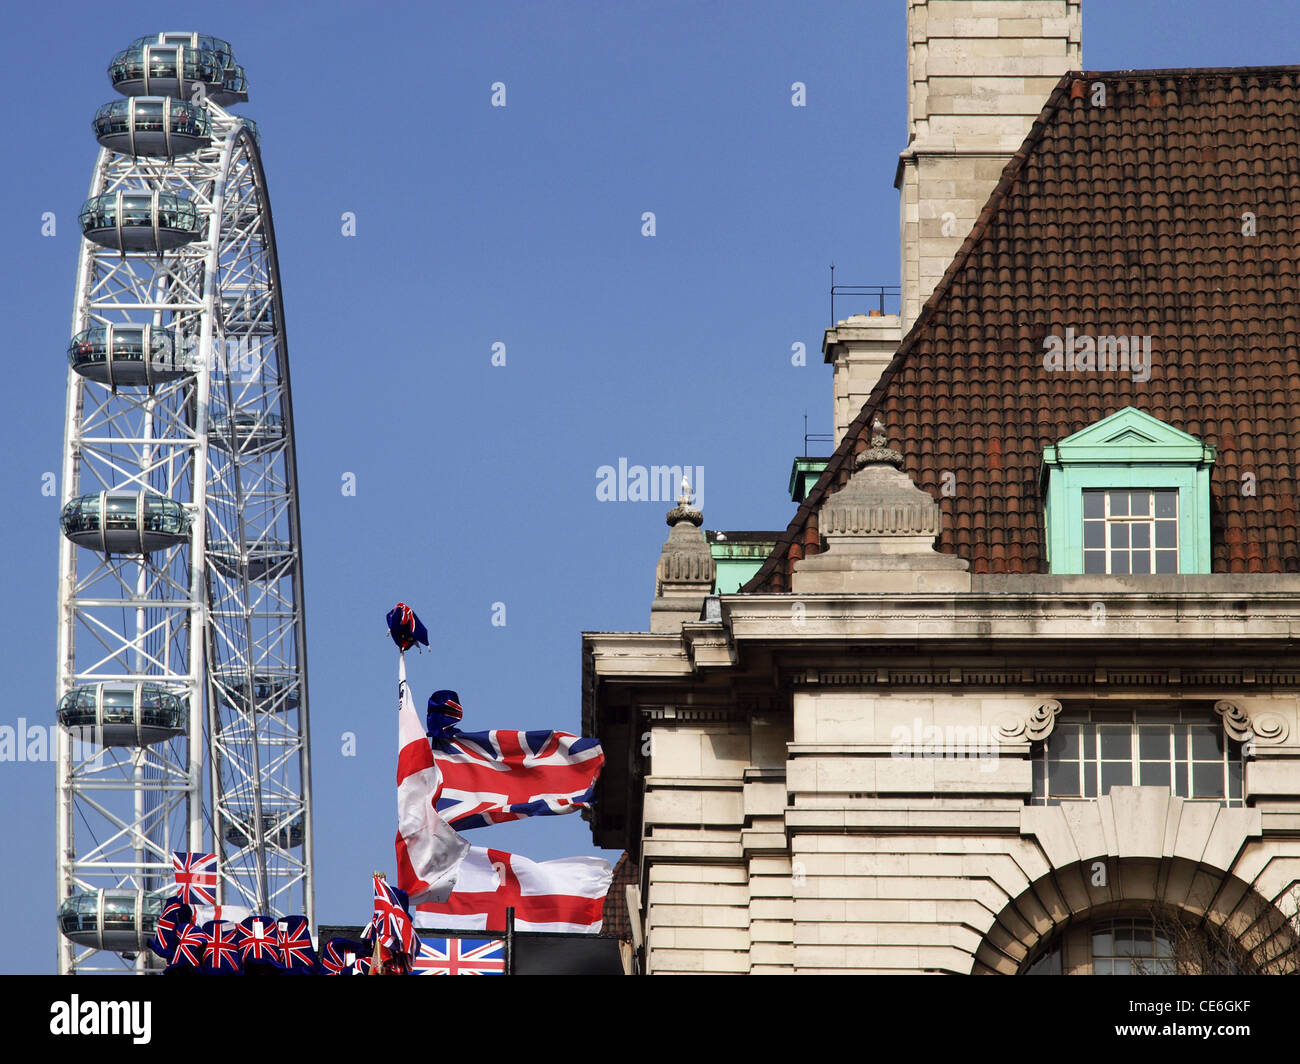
(1187, 751)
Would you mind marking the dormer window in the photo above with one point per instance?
(1129, 495)
(1130, 531)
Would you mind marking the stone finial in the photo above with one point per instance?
(880, 530)
(685, 510)
(686, 571)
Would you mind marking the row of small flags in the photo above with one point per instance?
(447, 781)
(196, 936)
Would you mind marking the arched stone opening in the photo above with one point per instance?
(1209, 919)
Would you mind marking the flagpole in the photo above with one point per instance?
(510, 940)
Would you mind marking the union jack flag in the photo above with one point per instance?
(495, 776)
(391, 921)
(222, 952)
(259, 940)
(460, 956)
(196, 877)
(190, 946)
(295, 944)
(174, 912)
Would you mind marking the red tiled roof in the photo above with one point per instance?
(1117, 220)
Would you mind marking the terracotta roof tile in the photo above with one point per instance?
(1128, 220)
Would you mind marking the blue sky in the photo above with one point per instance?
(478, 225)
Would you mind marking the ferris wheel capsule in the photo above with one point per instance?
(140, 221)
(129, 355)
(125, 522)
(154, 126)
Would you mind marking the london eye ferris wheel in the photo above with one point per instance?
(181, 684)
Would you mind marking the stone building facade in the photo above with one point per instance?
(1017, 689)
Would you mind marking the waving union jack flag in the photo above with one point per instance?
(460, 956)
(391, 922)
(494, 776)
(196, 877)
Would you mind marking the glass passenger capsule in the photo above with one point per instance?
(245, 430)
(140, 221)
(286, 836)
(129, 355)
(123, 713)
(125, 522)
(155, 69)
(263, 558)
(120, 920)
(234, 84)
(154, 126)
(272, 692)
(248, 310)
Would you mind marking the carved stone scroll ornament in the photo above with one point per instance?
(1264, 728)
(1032, 728)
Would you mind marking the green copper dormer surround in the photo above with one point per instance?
(1127, 450)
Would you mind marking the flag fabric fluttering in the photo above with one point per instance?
(497, 776)
(391, 921)
(406, 628)
(444, 714)
(459, 956)
(232, 914)
(563, 895)
(429, 851)
(196, 877)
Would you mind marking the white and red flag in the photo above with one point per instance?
(563, 895)
(429, 851)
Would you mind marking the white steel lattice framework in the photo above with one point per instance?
(196, 606)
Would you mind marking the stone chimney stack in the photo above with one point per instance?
(686, 571)
(978, 74)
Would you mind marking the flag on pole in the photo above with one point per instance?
(496, 776)
(460, 956)
(196, 877)
(563, 895)
(406, 628)
(391, 922)
(429, 851)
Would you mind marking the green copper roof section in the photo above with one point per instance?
(737, 556)
(804, 475)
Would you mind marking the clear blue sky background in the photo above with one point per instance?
(478, 225)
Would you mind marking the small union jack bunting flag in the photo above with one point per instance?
(196, 877)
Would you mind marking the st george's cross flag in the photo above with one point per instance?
(429, 851)
(496, 776)
(563, 895)
(460, 956)
(196, 877)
